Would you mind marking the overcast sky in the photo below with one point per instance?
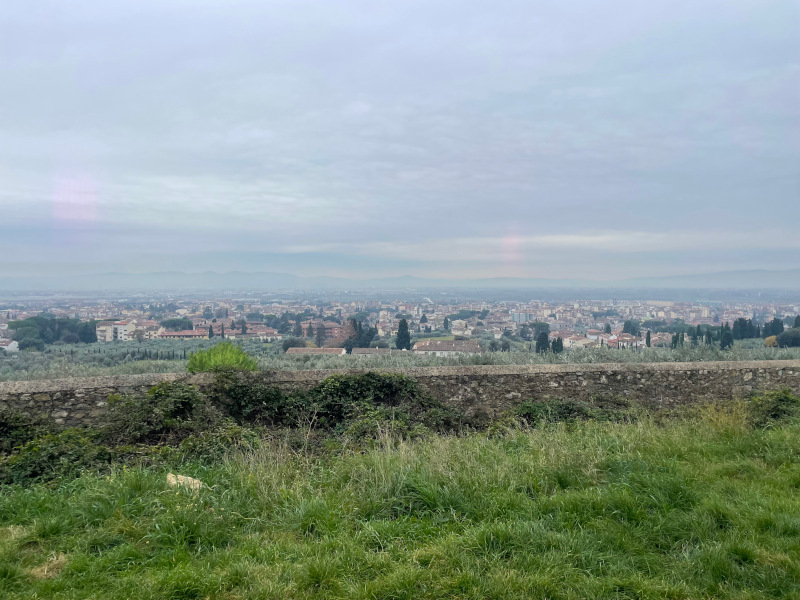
(434, 138)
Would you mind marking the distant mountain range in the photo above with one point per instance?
(239, 280)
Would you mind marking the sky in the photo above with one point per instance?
(437, 138)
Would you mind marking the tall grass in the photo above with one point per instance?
(701, 508)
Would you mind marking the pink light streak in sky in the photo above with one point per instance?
(74, 209)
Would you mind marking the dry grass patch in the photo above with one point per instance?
(13, 532)
(51, 568)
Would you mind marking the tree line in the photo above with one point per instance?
(37, 332)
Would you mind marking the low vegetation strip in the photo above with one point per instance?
(348, 492)
(124, 358)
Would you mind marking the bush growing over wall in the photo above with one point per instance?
(17, 428)
(248, 399)
(340, 399)
(334, 403)
(168, 413)
(222, 356)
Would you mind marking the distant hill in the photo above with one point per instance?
(240, 280)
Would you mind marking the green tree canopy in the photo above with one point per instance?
(178, 324)
(542, 342)
(403, 336)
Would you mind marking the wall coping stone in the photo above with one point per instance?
(149, 379)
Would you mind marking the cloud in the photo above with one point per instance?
(430, 134)
(493, 249)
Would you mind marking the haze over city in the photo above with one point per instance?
(457, 140)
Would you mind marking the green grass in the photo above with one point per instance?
(700, 508)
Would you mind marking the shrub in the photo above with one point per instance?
(788, 339)
(222, 356)
(335, 403)
(551, 411)
(215, 443)
(770, 407)
(340, 399)
(246, 398)
(168, 413)
(17, 428)
(55, 455)
(601, 408)
(293, 342)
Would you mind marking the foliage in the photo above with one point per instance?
(465, 315)
(293, 342)
(340, 399)
(601, 408)
(177, 324)
(542, 343)
(36, 332)
(359, 335)
(789, 338)
(334, 404)
(632, 326)
(247, 398)
(222, 356)
(166, 356)
(774, 327)
(768, 408)
(215, 443)
(726, 341)
(403, 336)
(53, 456)
(168, 413)
(17, 428)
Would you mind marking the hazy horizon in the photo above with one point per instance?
(438, 140)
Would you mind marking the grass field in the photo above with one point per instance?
(707, 507)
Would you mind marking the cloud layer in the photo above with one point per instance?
(357, 138)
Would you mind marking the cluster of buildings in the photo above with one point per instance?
(580, 324)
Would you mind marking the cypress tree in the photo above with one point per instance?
(797, 321)
(647, 339)
(403, 335)
(210, 332)
(726, 341)
(542, 342)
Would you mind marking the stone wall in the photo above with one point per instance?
(481, 392)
